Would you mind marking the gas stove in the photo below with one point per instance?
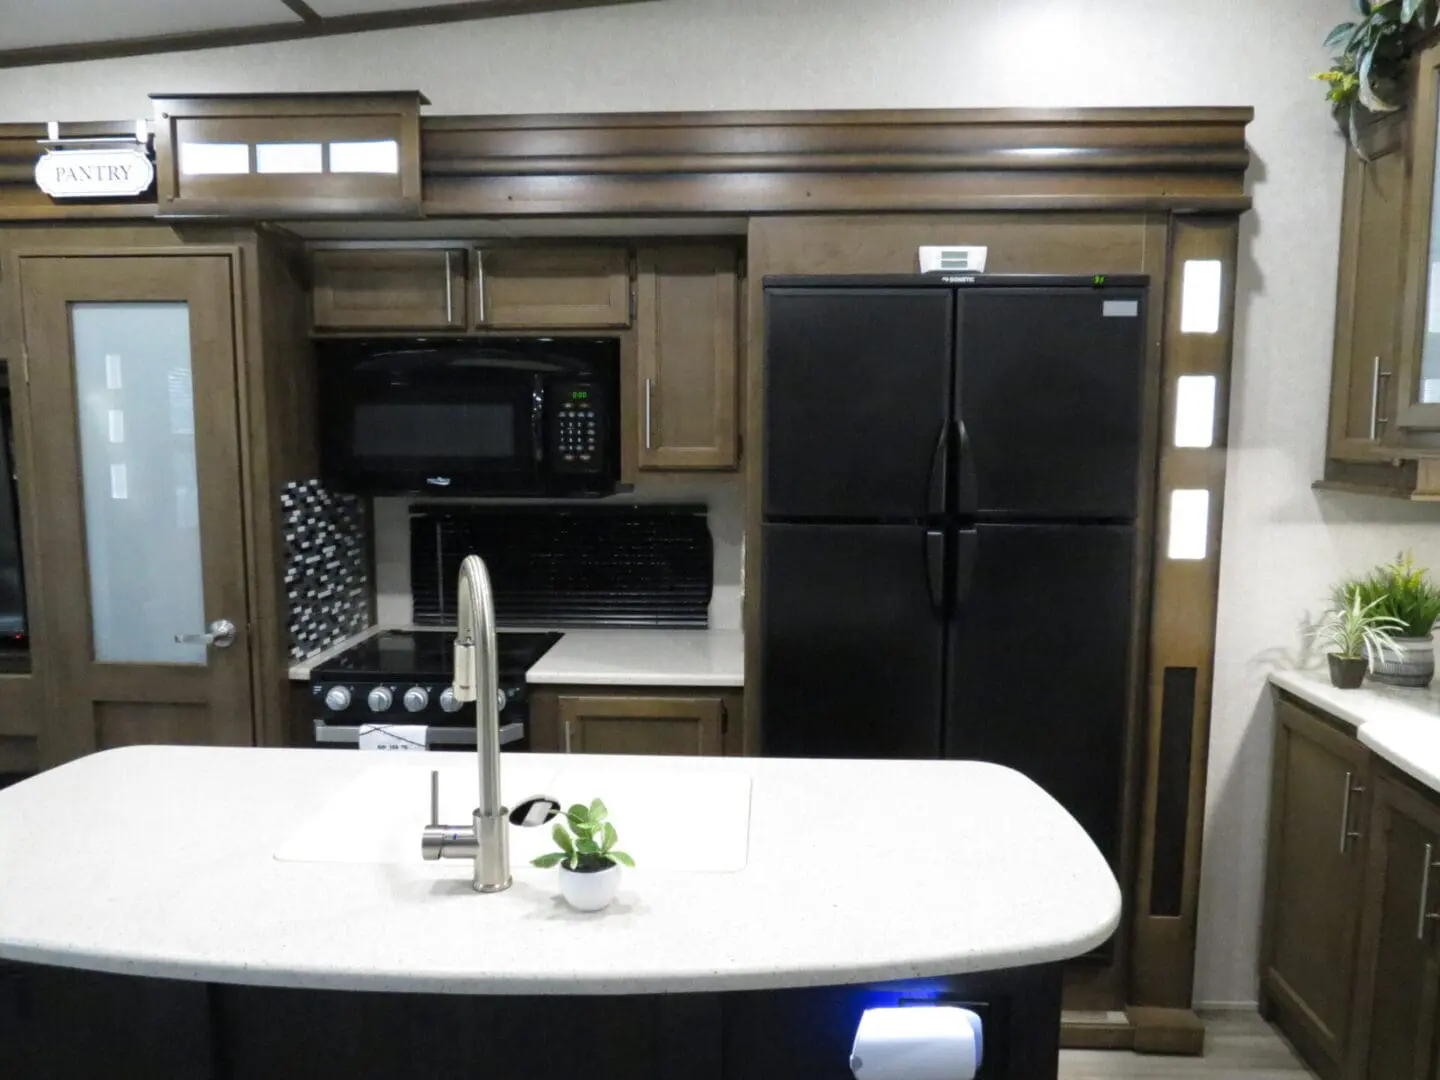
(403, 677)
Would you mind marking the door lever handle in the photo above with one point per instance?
(220, 634)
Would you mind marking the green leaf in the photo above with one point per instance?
(598, 811)
(573, 861)
(1409, 8)
(579, 813)
(562, 838)
(548, 860)
(609, 837)
(584, 832)
(1339, 34)
(621, 857)
(587, 847)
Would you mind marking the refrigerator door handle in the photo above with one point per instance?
(969, 497)
(967, 546)
(935, 568)
(940, 470)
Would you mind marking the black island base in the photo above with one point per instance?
(58, 1024)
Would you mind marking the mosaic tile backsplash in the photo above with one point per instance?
(327, 577)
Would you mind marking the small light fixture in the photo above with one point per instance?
(1189, 524)
(1195, 411)
(214, 159)
(1200, 297)
(377, 156)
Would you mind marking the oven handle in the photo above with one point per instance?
(349, 734)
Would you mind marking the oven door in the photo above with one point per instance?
(441, 428)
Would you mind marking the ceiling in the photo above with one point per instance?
(59, 32)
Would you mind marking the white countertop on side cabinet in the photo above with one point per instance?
(643, 658)
(1401, 724)
(162, 861)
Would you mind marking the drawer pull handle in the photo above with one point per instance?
(1346, 833)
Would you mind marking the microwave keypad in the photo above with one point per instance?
(579, 443)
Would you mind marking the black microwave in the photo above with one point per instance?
(504, 417)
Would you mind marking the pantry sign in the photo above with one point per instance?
(108, 173)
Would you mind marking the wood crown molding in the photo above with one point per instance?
(851, 161)
(744, 163)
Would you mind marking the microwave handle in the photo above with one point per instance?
(537, 420)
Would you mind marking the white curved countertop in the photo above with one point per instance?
(160, 861)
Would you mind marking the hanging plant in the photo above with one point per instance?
(1369, 72)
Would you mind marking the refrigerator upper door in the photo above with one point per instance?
(852, 643)
(857, 398)
(1039, 675)
(1049, 396)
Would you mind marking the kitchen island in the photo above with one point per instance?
(247, 913)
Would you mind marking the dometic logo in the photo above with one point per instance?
(963, 279)
(94, 174)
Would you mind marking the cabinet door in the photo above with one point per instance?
(686, 315)
(1420, 356)
(642, 725)
(389, 290)
(1312, 899)
(551, 288)
(133, 370)
(1364, 392)
(1396, 992)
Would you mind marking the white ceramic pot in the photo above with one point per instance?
(590, 891)
(1410, 663)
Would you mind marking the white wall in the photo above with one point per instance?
(1283, 543)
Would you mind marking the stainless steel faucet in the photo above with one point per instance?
(487, 840)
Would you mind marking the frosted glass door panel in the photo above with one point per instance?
(1428, 388)
(137, 447)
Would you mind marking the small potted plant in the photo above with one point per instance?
(588, 860)
(1405, 593)
(1357, 631)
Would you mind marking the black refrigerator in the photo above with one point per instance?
(951, 483)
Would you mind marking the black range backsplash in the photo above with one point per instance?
(568, 566)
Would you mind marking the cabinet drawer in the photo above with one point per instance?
(551, 288)
(389, 290)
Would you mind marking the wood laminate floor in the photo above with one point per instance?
(1238, 1046)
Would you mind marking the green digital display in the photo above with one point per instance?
(579, 395)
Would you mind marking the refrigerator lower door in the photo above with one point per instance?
(1039, 674)
(852, 643)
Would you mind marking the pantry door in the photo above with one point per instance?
(132, 392)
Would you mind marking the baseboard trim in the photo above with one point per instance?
(1083, 1029)
(1167, 1031)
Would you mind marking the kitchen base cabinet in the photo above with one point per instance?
(1312, 911)
(588, 720)
(1397, 994)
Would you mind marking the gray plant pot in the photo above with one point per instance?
(1410, 663)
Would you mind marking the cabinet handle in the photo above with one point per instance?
(1346, 833)
(648, 387)
(1377, 384)
(1425, 913)
(449, 292)
(480, 286)
(569, 734)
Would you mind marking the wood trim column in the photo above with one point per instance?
(1181, 666)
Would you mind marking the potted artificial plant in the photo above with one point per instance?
(1403, 592)
(1369, 71)
(1357, 631)
(588, 861)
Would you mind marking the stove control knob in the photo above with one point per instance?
(380, 699)
(337, 698)
(448, 701)
(501, 700)
(416, 698)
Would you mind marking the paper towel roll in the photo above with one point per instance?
(918, 1042)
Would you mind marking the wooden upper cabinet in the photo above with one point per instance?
(642, 725)
(1364, 400)
(1397, 994)
(551, 288)
(1419, 372)
(687, 320)
(1315, 862)
(421, 289)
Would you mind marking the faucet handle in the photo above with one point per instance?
(434, 798)
(536, 810)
